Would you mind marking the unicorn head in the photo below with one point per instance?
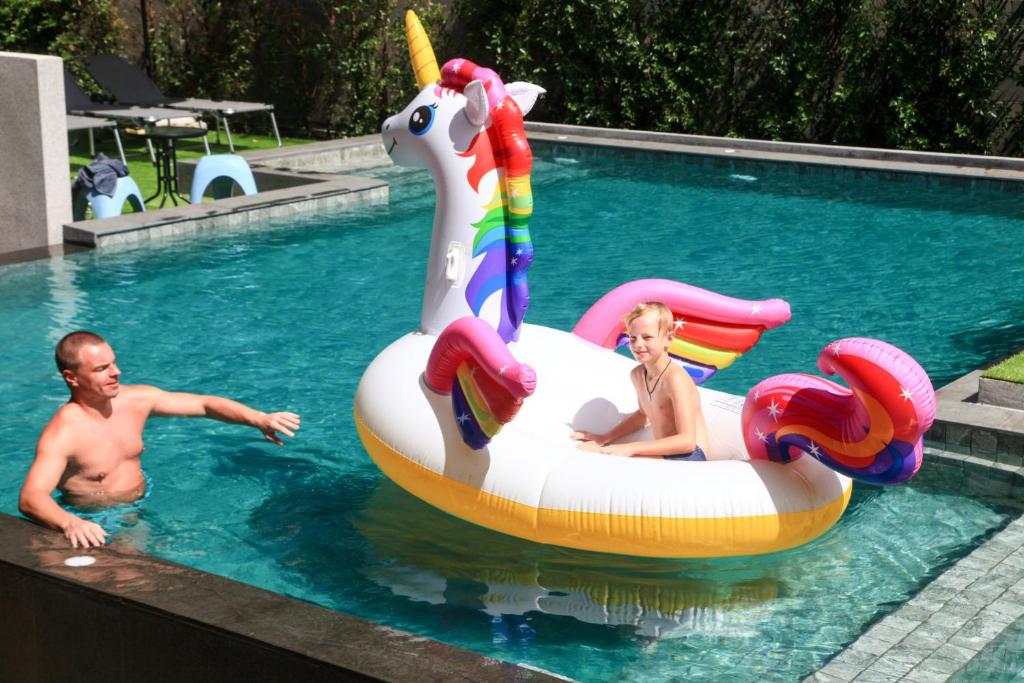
(466, 127)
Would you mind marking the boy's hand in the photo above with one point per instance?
(598, 439)
(623, 450)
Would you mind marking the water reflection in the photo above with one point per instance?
(424, 555)
(66, 297)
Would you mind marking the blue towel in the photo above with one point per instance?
(101, 175)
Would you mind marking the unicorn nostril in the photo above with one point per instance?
(387, 126)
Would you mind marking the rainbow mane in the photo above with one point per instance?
(503, 234)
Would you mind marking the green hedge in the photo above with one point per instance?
(70, 29)
(910, 74)
(895, 73)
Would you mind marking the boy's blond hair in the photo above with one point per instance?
(656, 308)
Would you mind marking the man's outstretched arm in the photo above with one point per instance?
(181, 404)
(36, 502)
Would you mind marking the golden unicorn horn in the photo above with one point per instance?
(424, 63)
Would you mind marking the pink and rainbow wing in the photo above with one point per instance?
(871, 431)
(711, 330)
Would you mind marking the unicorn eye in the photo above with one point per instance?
(421, 120)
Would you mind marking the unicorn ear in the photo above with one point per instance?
(476, 102)
(525, 94)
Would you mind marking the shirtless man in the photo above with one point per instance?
(90, 449)
(667, 396)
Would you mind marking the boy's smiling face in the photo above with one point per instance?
(647, 340)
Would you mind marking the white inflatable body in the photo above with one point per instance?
(472, 357)
(532, 482)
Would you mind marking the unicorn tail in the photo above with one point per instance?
(487, 384)
(871, 431)
(711, 330)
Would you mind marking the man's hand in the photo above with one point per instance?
(84, 534)
(272, 423)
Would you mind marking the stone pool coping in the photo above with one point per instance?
(860, 158)
(287, 185)
(130, 616)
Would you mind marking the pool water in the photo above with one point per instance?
(289, 316)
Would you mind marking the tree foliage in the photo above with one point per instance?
(70, 29)
(886, 73)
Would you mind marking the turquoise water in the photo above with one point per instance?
(288, 317)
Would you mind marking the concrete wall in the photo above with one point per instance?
(35, 193)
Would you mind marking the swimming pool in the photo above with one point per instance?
(288, 317)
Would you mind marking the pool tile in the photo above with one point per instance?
(911, 614)
(822, 677)
(840, 672)
(875, 675)
(919, 675)
(936, 632)
(908, 656)
(901, 620)
(892, 666)
(855, 657)
(922, 640)
(937, 433)
(1007, 608)
(884, 633)
(983, 442)
(958, 439)
(872, 646)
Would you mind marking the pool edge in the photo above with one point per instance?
(130, 613)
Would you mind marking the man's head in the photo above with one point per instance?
(87, 364)
(649, 326)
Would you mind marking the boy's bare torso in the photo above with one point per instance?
(103, 458)
(658, 408)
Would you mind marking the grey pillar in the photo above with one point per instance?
(35, 189)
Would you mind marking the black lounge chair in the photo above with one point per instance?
(77, 102)
(130, 84)
(89, 124)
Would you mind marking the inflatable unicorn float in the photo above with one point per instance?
(472, 412)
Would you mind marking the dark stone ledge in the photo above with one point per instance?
(133, 617)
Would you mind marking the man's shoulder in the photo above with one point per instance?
(62, 425)
(139, 389)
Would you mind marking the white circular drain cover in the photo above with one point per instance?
(80, 561)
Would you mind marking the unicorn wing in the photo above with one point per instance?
(487, 384)
(871, 431)
(711, 330)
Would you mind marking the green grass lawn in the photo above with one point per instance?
(140, 166)
(1010, 370)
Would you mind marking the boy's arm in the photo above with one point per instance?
(627, 425)
(684, 399)
(181, 404)
(36, 502)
